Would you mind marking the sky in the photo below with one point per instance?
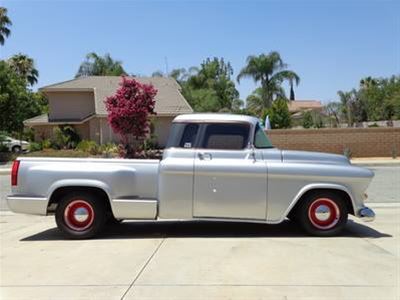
(331, 45)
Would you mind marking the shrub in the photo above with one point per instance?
(65, 137)
(35, 147)
(3, 148)
(279, 114)
(307, 119)
(46, 144)
(88, 146)
(108, 150)
(28, 134)
(347, 152)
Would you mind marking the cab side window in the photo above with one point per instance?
(183, 135)
(226, 136)
(189, 136)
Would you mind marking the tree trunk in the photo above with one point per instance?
(292, 96)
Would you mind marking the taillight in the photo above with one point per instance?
(14, 173)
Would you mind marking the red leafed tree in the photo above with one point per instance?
(129, 110)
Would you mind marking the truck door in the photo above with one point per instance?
(230, 179)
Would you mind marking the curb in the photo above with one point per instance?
(383, 204)
(4, 171)
(376, 163)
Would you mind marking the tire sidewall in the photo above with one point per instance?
(304, 219)
(98, 221)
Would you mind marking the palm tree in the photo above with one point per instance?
(255, 102)
(368, 82)
(100, 66)
(347, 106)
(270, 71)
(5, 23)
(293, 80)
(24, 66)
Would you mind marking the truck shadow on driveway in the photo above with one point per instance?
(208, 229)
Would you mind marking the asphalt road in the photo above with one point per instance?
(384, 188)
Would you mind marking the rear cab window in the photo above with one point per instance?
(228, 136)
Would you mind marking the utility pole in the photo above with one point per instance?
(166, 66)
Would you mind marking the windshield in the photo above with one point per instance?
(260, 138)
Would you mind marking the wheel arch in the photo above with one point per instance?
(305, 191)
(59, 190)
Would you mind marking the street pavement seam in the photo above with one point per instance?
(144, 267)
(61, 285)
(265, 285)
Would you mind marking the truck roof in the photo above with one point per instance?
(217, 117)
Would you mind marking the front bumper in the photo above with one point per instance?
(366, 214)
(27, 205)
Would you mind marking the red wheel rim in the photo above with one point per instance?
(323, 213)
(79, 215)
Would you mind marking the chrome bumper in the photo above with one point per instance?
(366, 214)
(27, 205)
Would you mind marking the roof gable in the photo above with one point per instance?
(169, 100)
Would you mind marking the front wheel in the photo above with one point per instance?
(323, 214)
(80, 215)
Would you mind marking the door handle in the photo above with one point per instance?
(204, 156)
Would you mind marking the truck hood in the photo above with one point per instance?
(314, 157)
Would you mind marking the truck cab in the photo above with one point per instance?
(207, 160)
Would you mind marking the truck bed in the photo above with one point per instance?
(130, 184)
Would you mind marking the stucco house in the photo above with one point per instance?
(80, 103)
(298, 107)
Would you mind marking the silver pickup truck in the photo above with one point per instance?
(215, 167)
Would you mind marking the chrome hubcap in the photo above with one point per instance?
(81, 214)
(322, 212)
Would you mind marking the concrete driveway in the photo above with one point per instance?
(197, 260)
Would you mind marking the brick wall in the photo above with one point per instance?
(362, 142)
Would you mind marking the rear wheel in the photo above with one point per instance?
(80, 215)
(16, 149)
(323, 213)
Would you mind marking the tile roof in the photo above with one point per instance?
(44, 120)
(298, 105)
(169, 100)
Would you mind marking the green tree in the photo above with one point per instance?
(279, 114)
(255, 102)
(270, 71)
(376, 99)
(307, 119)
(17, 103)
(333, 109)
(95, 65)
(5, 24)
(210, 88)
(24, 66)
